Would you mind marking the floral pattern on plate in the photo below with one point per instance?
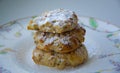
(105, 37)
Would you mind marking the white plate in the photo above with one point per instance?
(102, 42)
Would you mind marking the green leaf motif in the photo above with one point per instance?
(117, 45)
(109, 35)
(93, 23)
(11, 23)
(6, 50)
(34, 17)
(1, 45)
(18, 34)
(3, 52)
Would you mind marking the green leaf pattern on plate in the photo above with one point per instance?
(1, 45)
(18, 34)
(11, 23)
(109, 35)
(3, 52)
(114, 37)
(93, 23)
(6, 50)
(34, 17)
(117, 45)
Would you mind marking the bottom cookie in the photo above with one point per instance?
(60, 61)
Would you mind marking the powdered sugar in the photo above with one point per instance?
(49, 40)
(40, 36)
(59, 16)
(63, 40)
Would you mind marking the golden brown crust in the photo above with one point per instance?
(61, 43)
(60, 61)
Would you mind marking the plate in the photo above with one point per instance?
(102, 40)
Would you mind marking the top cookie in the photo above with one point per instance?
(56, 21)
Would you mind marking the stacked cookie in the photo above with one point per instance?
(58, 39)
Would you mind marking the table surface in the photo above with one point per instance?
(108, 10)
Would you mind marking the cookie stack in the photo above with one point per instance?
(59, 39)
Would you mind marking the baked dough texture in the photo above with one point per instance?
(56, 21)
(60, 61)
(61, 43)
(59, 39)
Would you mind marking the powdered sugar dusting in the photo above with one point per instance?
(40, 36)
(59, 16)
(49, 40)
(65, 40)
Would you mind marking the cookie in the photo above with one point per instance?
(61, 43)
(60, 61)
(56, 21)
